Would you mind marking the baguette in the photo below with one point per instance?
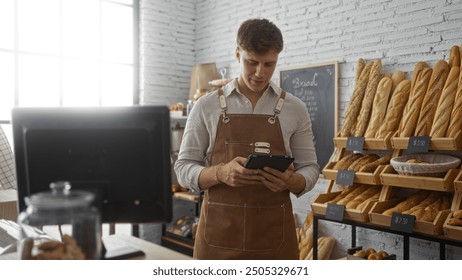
(445, 104)
(363, 204)
(355, 103)
(455, 120)
(357, 164)
(349, 197)
(368, 193)
(395, 109)
(457, 214)
(345, 162)
(454, 57)
(412, 110)
(359, 68)
(371, 167)
(379, 108)
(431, 198)
(397, 77)
(421, 65)
(366, 107)
(408, 203)
(343, 194)
(435, 87)
(455, 222)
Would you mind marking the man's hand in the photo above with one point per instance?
(234, 174)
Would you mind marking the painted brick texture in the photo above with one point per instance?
(178, 34)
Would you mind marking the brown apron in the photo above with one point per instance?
(247, 222)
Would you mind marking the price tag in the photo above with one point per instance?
(345, 177)
(335, 212)
(355, 144)
(402, 222)
(418, 144)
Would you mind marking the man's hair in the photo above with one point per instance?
(259, 36)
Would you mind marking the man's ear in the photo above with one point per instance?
(238, 54)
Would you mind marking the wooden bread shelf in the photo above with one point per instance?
(458, 183)
(390, 177)
(436, 143)
(430, 228)
(319, 207)
(360, 177)
(369, 143)
(454, 232)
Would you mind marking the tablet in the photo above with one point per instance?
(278, 162)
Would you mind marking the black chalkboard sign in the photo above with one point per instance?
(317, 86)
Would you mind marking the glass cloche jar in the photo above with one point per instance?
(60, 224)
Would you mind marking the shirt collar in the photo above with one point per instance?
(233, 87)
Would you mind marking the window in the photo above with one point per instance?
(67, 53)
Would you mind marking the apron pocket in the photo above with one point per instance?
(224, 226)
(237, 148)
(264, 227)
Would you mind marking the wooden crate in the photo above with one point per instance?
(458, 182)
(430, 228)
(369, 143)
(319, 207)
(453, 232)
(390, 177)
(436, 143)
(367, 178)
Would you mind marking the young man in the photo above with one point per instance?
(247, 213)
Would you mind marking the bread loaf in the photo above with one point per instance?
(413, 106)
(366, 107)
(432, 210)
(430, 102)
(371, 167)
(408, 203)
(419, 209)
(455, 120)
(359, 68)
(356, 99)
(455, 222)
(457, 214)
(415, 73)
(397, 77)
(445, 104)
(395, 109)
(325, 246)
(379, 107)
(343, 194)
(346, 161)
(368, 193)
(360, 162)
(363, 204)
(454, 56)
(353, 194)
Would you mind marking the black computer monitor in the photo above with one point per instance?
(122, 154)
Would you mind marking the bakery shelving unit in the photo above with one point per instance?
(371, 217)
(176, 242)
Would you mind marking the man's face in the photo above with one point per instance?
(256, 70)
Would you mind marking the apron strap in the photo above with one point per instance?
(277, 109)
(223, 105)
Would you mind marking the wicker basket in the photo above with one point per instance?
(437, 166)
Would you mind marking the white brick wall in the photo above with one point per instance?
(399, 32)
(167, 40)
